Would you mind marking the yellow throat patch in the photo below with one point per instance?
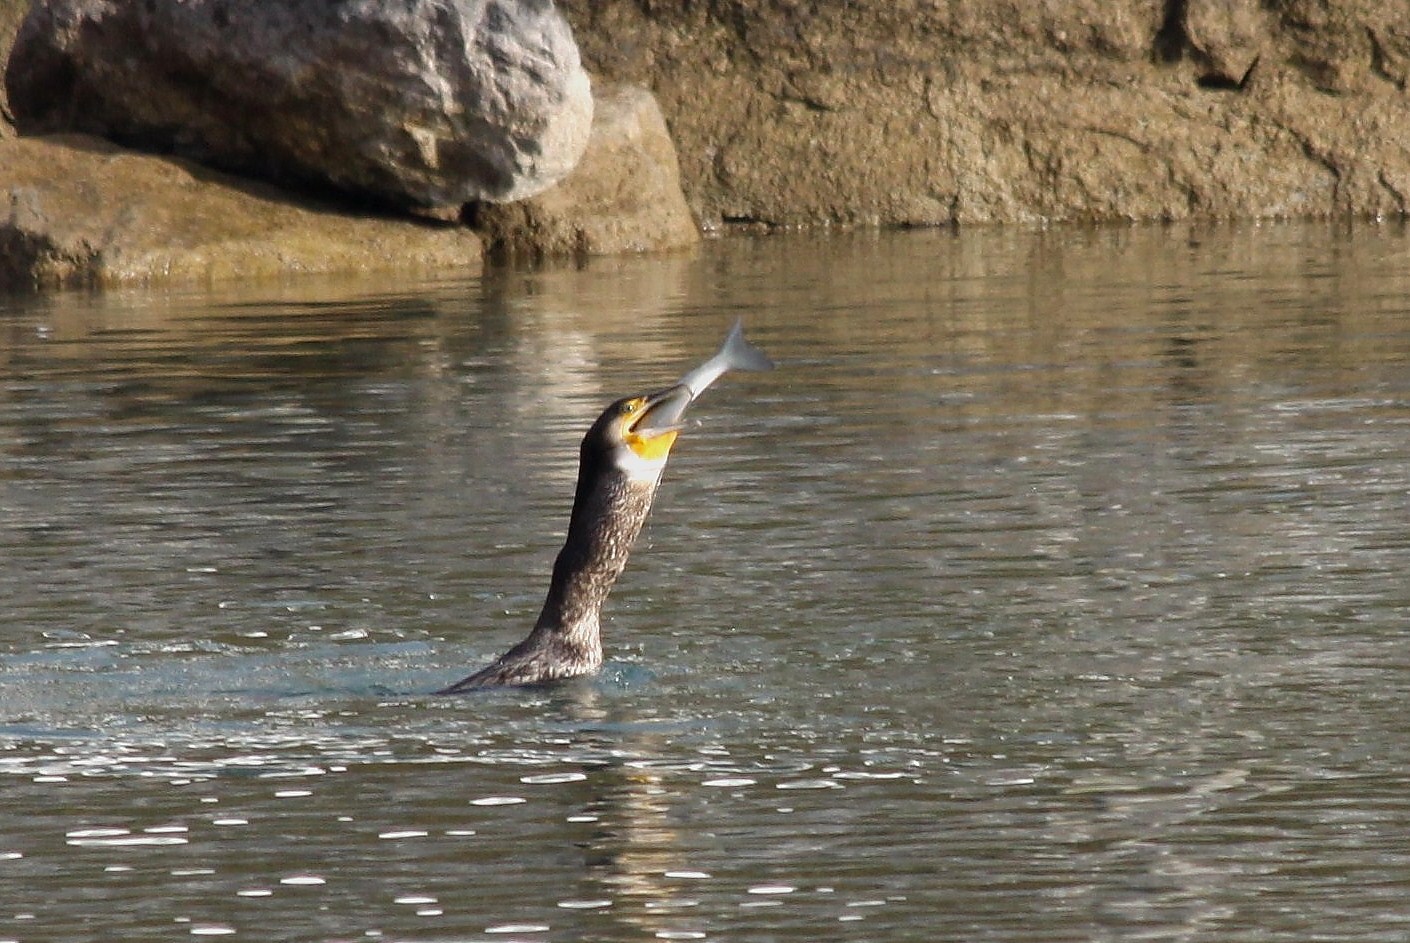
(652, 447)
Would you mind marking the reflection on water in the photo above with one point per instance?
(1053, 590)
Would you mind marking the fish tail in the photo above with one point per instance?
(739, 354)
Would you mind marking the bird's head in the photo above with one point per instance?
(635, 434)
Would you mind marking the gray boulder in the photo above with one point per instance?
(420, 103)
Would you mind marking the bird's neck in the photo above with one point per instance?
(608, 513)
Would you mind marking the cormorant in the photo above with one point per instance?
(620, 465)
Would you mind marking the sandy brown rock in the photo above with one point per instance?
(78, 211)
(624, 195)
(1225, 37)
(912, 112)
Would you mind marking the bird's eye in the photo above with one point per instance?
(629, 407)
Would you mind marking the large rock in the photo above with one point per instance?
(81, 212)
(624, 196)
(424, 103)
(916, 112)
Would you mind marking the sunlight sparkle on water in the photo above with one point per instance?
(1056, 577)
(498, 800)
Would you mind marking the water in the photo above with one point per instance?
(1053, 589)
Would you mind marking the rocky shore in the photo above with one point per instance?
(781, 114)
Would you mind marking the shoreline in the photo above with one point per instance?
(756, 118)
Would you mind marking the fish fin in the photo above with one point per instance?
(742, 355)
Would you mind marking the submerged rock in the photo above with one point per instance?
(78, 211)
(420, 103)
(624, 196)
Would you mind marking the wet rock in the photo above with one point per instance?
(77, 211)
(418, 103)
(624, 196)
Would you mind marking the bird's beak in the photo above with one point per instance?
(654, 431)
(664, 411)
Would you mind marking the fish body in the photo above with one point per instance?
(735, 353)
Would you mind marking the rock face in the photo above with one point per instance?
(624, 195)
(421, 103)
(78, 211)
(917, 112)
(783, 113)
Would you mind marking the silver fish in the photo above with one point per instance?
(735, 353)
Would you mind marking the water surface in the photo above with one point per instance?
(1052, 589)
